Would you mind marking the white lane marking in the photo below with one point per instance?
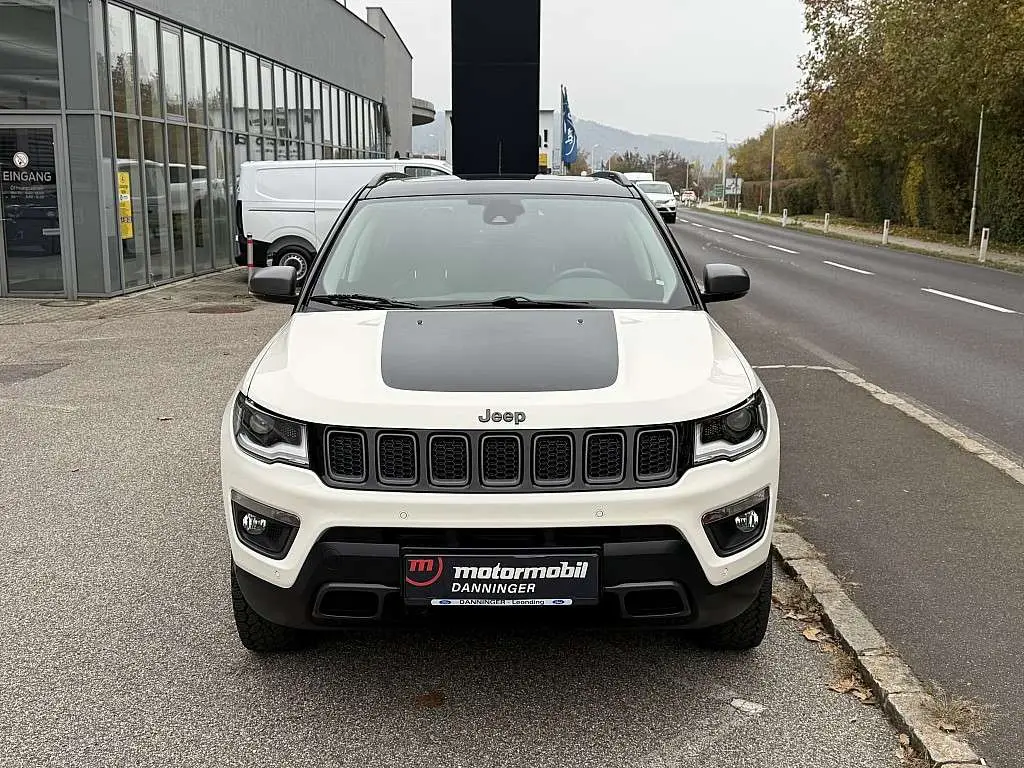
(719, 231)
(852, 269)
(780, 248)
(684, 221)
(971, 301)
(694, 223)
(741, 237)
(1003, 463)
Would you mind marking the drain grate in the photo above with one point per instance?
(12, 374)
(220, 309)
(66, 303)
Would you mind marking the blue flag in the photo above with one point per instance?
(570, 146)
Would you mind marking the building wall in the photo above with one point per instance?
(398, 76)
(320, 37)
(154, 105)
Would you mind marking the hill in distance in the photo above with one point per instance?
(610, 140)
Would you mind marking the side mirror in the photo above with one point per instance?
(275, 284)
(725, 282)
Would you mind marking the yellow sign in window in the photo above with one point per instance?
(124, 204)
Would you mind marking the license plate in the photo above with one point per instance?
(508, 579)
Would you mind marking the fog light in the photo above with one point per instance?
(255, 525)
(263, 528)
(739, 525)
(747, 521)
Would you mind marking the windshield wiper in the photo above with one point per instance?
(362, 301)
(518, 302)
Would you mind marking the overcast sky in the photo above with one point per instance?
(679, 67)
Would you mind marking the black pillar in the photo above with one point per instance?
(495, 87)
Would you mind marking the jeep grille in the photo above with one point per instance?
(480, 461)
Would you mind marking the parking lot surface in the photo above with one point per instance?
(120, 649)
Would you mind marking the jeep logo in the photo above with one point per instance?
(512, 417)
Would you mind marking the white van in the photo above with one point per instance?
(288, 206)
(635, 176)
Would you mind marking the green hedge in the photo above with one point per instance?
(798, 196)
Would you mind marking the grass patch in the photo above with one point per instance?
(956, 714)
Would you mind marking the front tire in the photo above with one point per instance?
(748, 629)
(256, 633)
(293, 255)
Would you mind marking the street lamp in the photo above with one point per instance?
(725, 161)
(774, 112)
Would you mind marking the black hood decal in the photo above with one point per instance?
(500, 350)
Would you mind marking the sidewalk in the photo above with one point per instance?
(219, 291)
(1011, 261)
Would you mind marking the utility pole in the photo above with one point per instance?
(977, 169)
(725, 161)
(771, 182)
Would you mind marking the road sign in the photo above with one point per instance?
(734, 186)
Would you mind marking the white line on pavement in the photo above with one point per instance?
(971, 301)
(852, 269)
(780, 248)
(944, 427)
(741, 237)
(719, 231)
(684, 221)
(697, 225)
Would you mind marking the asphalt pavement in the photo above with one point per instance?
(119, 646)
(946, 334)
(930, 536)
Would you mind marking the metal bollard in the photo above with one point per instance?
(885, 232)
(250, 263)
(785, 216)
(759, 212)
(826, 224)
(983, 248)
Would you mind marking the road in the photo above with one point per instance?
(931, 536)
(946, 334)
(119, 648)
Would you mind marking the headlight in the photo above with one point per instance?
(268, 437)
(731, 434)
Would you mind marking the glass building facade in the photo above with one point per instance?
(121, 136)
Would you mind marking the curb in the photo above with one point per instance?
(904, 699)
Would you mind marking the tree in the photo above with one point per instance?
(581, 166)
(889, 105)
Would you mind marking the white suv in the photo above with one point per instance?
(500, 393)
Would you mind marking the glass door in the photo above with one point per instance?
(30, 241)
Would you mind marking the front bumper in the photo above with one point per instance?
(324, 551)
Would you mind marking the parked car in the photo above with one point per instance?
(288, 206)
(500, 392)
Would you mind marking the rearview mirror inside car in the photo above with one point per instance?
(275, 284)
(724, 282)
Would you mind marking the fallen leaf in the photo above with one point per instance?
(845, 685)
(430, 700)
(947, 727)
(904, 740)
(813, 634)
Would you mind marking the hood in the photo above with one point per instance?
(443, 369)
(657, 198)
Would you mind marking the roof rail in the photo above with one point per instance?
(376, 181)
(616, 176)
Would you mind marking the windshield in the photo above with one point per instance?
(655, 187)
(436, 251)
